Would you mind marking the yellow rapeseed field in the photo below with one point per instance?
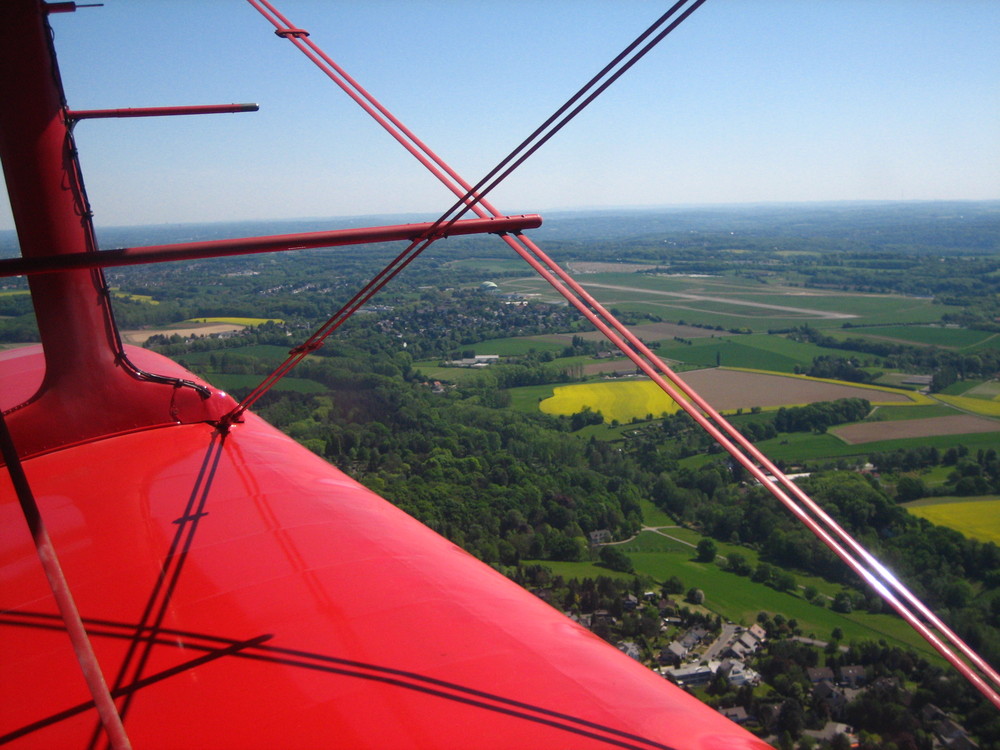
(621, 400)
(979, 519)
(975, 405)
(235, 321)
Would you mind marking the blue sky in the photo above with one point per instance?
(748, 101)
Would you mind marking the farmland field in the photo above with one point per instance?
(299, 385)
(990, 390)
(725, 389)
(730, 302)
(958, 424)
(975, 405)
(949, 338)
(200, 329)
(236, 321)
(616, 401)
(978, 518)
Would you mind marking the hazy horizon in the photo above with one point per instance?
(770, 102)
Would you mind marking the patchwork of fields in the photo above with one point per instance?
(725, 389)
(731, 302)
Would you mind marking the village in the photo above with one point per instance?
(806, 704)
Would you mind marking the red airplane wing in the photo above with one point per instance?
(241, 592)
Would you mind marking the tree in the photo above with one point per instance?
(783, 581)
(910, 488)
(737, 563)
(615, 559)
(672, 585)
(706, 550)
(843, 603)
(695, 596)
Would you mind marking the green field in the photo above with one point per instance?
(739, 303)
(432, 370)
(811, 447)
(512, 347)
(739, 599)
(526, 398)
(259, 351)
(978, 518)
(731, 352)
(950, 338)
(234, 382)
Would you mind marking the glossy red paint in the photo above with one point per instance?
(295, 609)
(130, 256)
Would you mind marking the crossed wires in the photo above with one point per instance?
(472, 198)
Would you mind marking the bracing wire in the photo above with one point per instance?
(860, 560)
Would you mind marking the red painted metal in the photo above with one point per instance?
(274, 243)
(260, 598)
(89, 388)
(111, 721)
(194, 109)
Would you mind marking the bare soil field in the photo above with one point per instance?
(140, 337)
(615, 365)
(960, 424)
(732, 389)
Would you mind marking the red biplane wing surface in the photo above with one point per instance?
(241, 592)
(233, 589)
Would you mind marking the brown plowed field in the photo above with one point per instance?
(960, 424)
(139, 337)
(732, 389)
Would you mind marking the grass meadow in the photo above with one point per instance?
(947, 338)
(739, 303)
(739, 599)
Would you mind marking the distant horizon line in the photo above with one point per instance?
(423, 216)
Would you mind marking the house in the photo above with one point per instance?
(737, 650)
(830, 696)
(695, 676)
(818, 674)
(852, 675)
(757, 632)
(603, 616)
(601, 536)
(629, 648)
(673, 654)
(736, 714)
(693, 637)
(738, 673)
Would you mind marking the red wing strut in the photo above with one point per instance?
(859, 559)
